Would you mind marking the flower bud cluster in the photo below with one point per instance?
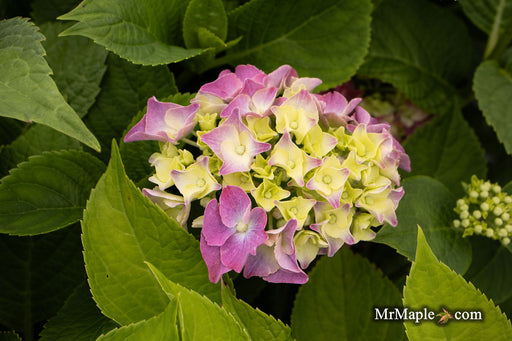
(283, 174)
(485, 210)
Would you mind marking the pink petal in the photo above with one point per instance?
(250, 72)
(237, 248)
(280, 77)
(154, 125)
(227, 86)
(214, 231)
(240, 103)
(235, 206)
(261, 264)
(263, 99)
(283, 276)
(250, 87)
(211, 256)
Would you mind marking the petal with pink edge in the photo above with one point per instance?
(211, 256)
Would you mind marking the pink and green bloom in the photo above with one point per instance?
(283, 174)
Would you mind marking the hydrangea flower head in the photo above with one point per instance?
(281, 174)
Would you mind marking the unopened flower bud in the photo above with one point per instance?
(489, 232)
(484, 206)
(456, 223)
(477, 214)
(465, 223)
(508, 199)
(496, 200)
(485, 186)
(484, 194)
(505, 241)
(496, 188)
(464, 214)
(498, 222)
(508, 227)
(505, 216)
(502, 232)
(478, 229)
(473, 194)
(497, 211)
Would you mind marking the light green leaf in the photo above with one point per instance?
(27, 92)
(493, 17)
(423, 50)
(38, 274)
(79, 319)
(219, 325)
(48, 192)
(427, 202)
(324, 39)
(78, 66)
(493, 90)
(125, 90)
(432, 284)
(162, 327)
(338, 301)
(257, 324)
(448, 150)
(491, 270)
(205, 14)
(121, 230)
(145, 32)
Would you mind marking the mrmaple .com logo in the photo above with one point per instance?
(425, 314)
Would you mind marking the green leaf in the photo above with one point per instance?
(38, 274)
(79, 319)
(161, 327)
(338, 301)
(27, 92)
(448, 150)
(427, 202)
(491, 271)
(432, 284)
(48, 192)
(257, 324)
(493, 90)
(145, 32)
(423, 50)
(204, 14)
(324, 39)
(219, 325)
(78, 66)
(34, 141)
(493, 17)
(125, 91)
(122, 229)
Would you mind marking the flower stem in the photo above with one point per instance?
(190, 142)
